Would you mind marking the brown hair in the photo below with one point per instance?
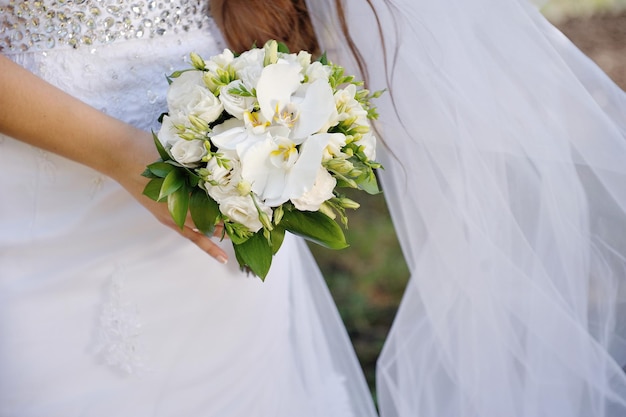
(248, 22)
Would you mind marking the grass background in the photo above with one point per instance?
(367, 280)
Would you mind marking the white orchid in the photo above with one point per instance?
(284, 164)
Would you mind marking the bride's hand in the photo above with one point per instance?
(129, 176)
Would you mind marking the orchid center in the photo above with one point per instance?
(255, 121)
(287, 116)
(285, 154)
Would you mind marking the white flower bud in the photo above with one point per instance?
(197, 61)
(271, 53)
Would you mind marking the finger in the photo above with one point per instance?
(206, 244)
(219, 230)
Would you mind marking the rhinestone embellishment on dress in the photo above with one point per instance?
(46, 24)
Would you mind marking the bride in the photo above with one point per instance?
(505, 177)
(105, 311)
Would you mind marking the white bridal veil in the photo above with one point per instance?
(506, 180)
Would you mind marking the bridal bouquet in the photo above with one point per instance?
(262, 142)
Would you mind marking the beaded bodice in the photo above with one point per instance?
(33, 25)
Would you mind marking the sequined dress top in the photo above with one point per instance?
(42, 25)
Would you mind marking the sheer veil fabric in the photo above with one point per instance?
(505, 175)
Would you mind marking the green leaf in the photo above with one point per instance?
(369, 184)
(173, 182)
(194, 180)
(282, 47)
(162, 152)
(148, 174)
(160, 169)
(178, 204)
(316, 227)
(323, 59)
(276, 237)
(255, 254)
(153, 188)
(204, 210)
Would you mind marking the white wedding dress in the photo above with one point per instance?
(104, 311)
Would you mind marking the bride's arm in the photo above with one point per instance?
(38, 113)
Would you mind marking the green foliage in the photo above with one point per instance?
(160, 169)
(204, 210)
(153, 189)
(242, 91)
(276, 238)
(315, 227)
(256, 254)
(173, 181)
(162, 152)
(178, 204)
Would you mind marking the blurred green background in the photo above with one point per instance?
(367, 280)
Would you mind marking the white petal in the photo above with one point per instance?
(168, 134)
(316, 109)
(302, 176)
(256, 167)
(228, 124)
(229, 134)
(276, 85)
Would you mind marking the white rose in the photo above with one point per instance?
(322, 190)
(220, 61)
(249, 59)
(220, 193)
(235, 104)
(168, 134)
(188, 95)
(188, 152)
(284, 58)
(249, 76)
(241, 209)
(317, 71)
(368, 141)
(222, 182)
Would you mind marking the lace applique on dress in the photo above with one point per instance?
(46, 166)
(120, 330)
(96, 185)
